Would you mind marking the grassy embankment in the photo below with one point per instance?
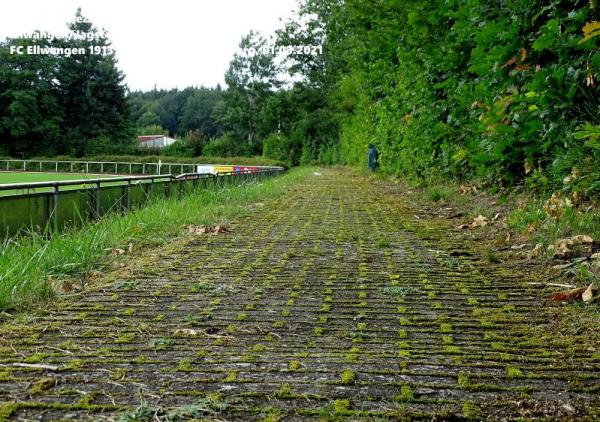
(525, 220)
(31, 266)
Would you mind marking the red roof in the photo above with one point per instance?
(146, 138)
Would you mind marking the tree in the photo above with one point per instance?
(306, 112)
(198, 112)
(251, 79)
(30, 111)
(92, 91)
(179, 111)
(149, 118)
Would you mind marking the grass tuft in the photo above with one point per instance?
(347, 376)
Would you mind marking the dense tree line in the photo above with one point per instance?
(178, 111)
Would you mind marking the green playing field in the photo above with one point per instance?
(26, 177)
(7, 177)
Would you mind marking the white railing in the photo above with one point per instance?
(99, 167)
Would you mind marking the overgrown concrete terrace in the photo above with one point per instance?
(332, 301)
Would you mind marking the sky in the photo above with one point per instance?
(162, 43)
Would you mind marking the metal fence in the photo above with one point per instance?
(52, 206)
(98, 167)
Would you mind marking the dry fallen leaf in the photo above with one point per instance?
(93, 275)
(564, 247)
(497, 217)
(464, 189)
(509, 63)
(479, 221)
(569, 295)
(207, 229)
(220, 229)
(582, 239)
(590, 30)
(523, 54)
(62, 286)
(187, 332)
(589, 293)
(557, 204)
(577, 198)
(537, 251)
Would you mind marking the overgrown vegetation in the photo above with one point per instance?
(463, 88)
(32, 267)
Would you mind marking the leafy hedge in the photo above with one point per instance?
(469, 87)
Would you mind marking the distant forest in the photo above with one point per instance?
(504, 91)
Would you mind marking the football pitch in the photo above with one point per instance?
(31, 177)
(10, 177)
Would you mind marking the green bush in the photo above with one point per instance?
(105, 145)
(225, 146)
(152, 130)
(279, 147)
(178, 149)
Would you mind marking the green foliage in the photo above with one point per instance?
(251, 77)
(341, 406)
(105, 145)
(152, 129)
(68, 103)
(406, 394)
(279, 147)
(465, 88)
(225, 146)
(347, 376)
(177, 111)
(591, 133)
(191, 145)
(504, 91)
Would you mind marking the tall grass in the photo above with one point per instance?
(549, 229)
(29, 264)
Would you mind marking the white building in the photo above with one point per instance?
(155, 141)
